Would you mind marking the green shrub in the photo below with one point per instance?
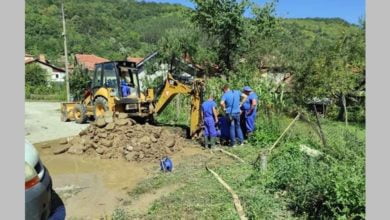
(49, 92)
(78, 82)
(35, 76)
(323, 187)
(267, 131)
(38, 86)
(357, 113)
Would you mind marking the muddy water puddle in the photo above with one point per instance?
(92, 187)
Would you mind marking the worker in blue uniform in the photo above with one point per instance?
(230, 102)
(125, 88)
(210, 118)
(249, 108)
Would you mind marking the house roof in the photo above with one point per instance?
(320, 101)
(28, 58)
(135, 59)
(89, 60)
(44, 63)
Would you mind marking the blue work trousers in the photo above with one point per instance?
(235, 129)
(209, 127)
(249, 121)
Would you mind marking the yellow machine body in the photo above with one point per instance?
(142, 105)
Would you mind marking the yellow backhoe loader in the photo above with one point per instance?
(115, 87)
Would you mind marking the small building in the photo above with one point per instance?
(56, 74)
(319, 104)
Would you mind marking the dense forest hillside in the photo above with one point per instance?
(107, 28)
(117, 28)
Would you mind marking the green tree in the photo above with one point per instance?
(35, 76)
(175, 44)
(223, 21)
(262, 35)
(330, 69)
(79, 81)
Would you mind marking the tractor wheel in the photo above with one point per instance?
(64, 117)
(100, 107)
(80, 113)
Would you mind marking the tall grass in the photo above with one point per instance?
(50, 92)
(331, 186)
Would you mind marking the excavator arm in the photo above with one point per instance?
(173, 87)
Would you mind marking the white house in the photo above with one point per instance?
(56, 74)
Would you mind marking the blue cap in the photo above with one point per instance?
(247, 88)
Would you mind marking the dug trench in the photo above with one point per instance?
(94, 171)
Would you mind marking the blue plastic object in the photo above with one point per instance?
(166, 164)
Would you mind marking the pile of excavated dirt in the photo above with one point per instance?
(121, 137)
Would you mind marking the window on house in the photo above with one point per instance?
(57, 76)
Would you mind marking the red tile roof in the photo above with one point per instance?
(135, 59)
(89, 60)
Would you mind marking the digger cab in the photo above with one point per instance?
(115, 87)
(115, 76)
(117, 82)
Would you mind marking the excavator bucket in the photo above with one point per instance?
(67, 111)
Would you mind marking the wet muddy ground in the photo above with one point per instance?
(92, 188)
(93, 183)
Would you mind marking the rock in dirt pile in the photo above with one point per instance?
(114, 137)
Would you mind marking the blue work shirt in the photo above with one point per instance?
(232, 101)
(248, 102)
(125, 89)
(207, 108)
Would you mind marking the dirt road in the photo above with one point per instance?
(42, 122)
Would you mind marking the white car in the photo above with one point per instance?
(38, 185)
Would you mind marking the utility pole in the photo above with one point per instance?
(66, 54)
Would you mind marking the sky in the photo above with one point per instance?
(349, 10)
